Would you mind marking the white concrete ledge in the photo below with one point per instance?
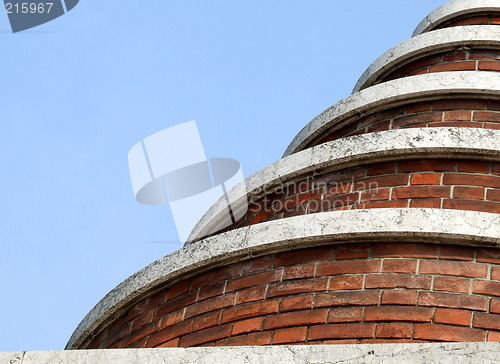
(346, 152)
(397, 92)
(415, 225)
(455, 9)
(438, 41)
(443, 353)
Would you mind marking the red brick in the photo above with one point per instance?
(382, 205)
(202, 322)
(471, 180)
(171, 318)
(420, 192)
(203, 336)
(254, 339)
(382, 194)
(294, 303)
(474, 166)
(460, 104)
(486, 288)
(297, 286)
(454, 66)
(475, 193)
(421, 63)
(340, 283)
(488, 255)
(381, 115)
(486, 321)
(452, 317)
(178, 289)
(458, 269)
(399, 297)
(493, 105)
(290, 335)
(399, 266)
(347, 298)
(398, 313)
(472, 205)
(212, 290)
(451, 284)
(425, 179)
(495, 20)
(170, 344)
(495, 126)
(473, 20)
(338, 189)
(381, 168)
(256, 279)
(347, 267)
(299, 271)
(456, 124)
(489, 66)
(493, 336)
(129, 338)
(382, 181)
(246, 326)
(428, 165)
(487, 116)
(341, 331)
(146, 305)
(345, 314)
(211, 304)
(458, 115)
(339, 176)
(170, 333)
(394, 330)
(216, 275)
(455, 56)
(415, 119)
(354, 251)
(495, 273)
(337, 202)
(495, 305)
(450, 300)
(251, 294)
(256, 265)
(296, 318)
(304, 256)
(455, 252)
(142, 319)
(175, 304)
(426, 203)
(447, 333)
(408, 281)
(493, 195)
(250, 310)
(336, 342)
(405, 250)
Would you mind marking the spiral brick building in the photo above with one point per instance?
(380, 224)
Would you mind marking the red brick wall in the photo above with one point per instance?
(461, 60)
(448, 184)
(331, 295)
(468, 113)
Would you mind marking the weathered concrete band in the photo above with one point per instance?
(301, 354)
(422, 225)
(435, 42)
(455, 9)
(366, 148)
(396, 92)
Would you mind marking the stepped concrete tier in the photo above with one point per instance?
(381, 224)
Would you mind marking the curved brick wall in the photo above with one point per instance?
(469, 113)
(429, 183)
(383, 284)
(347, 294)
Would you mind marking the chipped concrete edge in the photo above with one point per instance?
(397, 92)
(426, 44)
(454, 9)
(448, 353)
(415, 225)
(347, 152)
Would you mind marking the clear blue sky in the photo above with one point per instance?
(77, 93)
